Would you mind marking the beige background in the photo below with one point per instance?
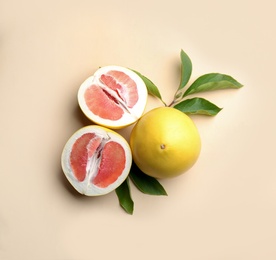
(224, 208)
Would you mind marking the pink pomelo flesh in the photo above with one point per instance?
(124, 86)
(97, 158)
(102, 104)
(111, 166)
(113, 96)
(79, 155)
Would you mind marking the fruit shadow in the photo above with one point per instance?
(69, 190)
(66, 184)
(80, 117)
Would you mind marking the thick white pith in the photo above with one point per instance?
(93, 162)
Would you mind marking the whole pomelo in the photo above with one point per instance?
(165, 143)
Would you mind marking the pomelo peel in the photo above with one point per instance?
(165, 143)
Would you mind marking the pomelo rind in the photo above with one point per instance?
(85, 187)
(165, 143)
(128, 118)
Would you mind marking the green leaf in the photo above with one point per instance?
(124, 196)
(212, 81)
(186, 69)
(145, 183)
(198, 106)
(151, 87)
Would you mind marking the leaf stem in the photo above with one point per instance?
(163, 102)
(177, 97)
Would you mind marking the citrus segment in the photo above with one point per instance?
(112, 164)
(114, 97)
(83, 148)
(98, 100)
(96, 160)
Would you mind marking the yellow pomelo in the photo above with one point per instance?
(165, 143)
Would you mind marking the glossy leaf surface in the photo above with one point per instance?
(151, 87)
(186, 69)
(145, 183)
(124, 196)
(212, 81)
(198, 106)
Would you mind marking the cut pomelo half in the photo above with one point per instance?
(96, 160)
(114, 97)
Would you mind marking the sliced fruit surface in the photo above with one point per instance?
(113, 97)
(96, 160)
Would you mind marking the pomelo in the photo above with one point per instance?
(96, 160)
(113, 97)
(165, 142)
